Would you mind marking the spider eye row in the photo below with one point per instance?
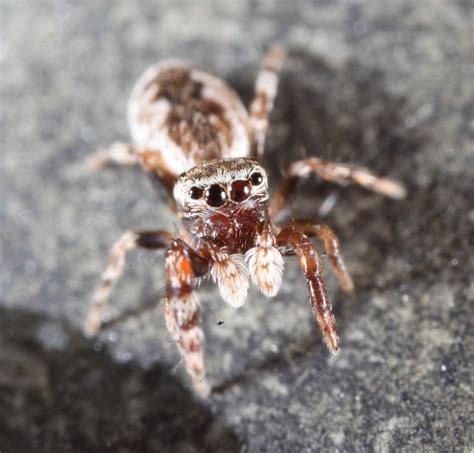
(215, 195)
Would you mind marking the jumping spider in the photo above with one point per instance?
(193, 135)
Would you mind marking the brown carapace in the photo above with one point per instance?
(191, 133)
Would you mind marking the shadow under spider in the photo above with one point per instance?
(66, 396)
(149, 304)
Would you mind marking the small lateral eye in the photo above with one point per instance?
(215, 196)
(256, 178)
(195, 193)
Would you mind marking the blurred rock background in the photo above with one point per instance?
(387, 84)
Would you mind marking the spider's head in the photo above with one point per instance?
(223, 184)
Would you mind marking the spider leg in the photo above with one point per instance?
(161, 176)
(311, 265)
(343, 174)
(116, 154)
(319, 230)
(151, 161)
(129, 240)
(182, 309)
(266, 87)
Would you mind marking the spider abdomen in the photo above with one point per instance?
(187, 116)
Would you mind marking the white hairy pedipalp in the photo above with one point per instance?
(232, 276)
(266, 264)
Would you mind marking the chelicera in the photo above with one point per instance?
(192, 134)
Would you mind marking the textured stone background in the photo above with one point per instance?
(386, 84)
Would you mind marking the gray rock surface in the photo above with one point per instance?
(380, 83)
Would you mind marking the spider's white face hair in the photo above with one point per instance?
(221, 172)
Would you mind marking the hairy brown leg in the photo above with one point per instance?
(343, 174)
(182, 309)
(319, 230)
(265, 91)
(116, 154)
(154, 164)
(148, 239)
(311, 265)
(151, 161)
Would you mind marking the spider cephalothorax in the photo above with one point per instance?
(223, 204)
(229, 183)
(193, 135)
(225, 200)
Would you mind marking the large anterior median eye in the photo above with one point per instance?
(215, 196)
(240, 190)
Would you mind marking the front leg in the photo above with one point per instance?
(319, 230)
(129, 240)
(343, 174)
(311, 265)
(182, 308)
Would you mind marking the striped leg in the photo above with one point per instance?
(343, 174)
(152, 163)
(311, 265)
(129, 240)
(265, 92)
(115, 154)
(332, 246)
(182, 311)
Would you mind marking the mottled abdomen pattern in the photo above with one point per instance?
(187, 116)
